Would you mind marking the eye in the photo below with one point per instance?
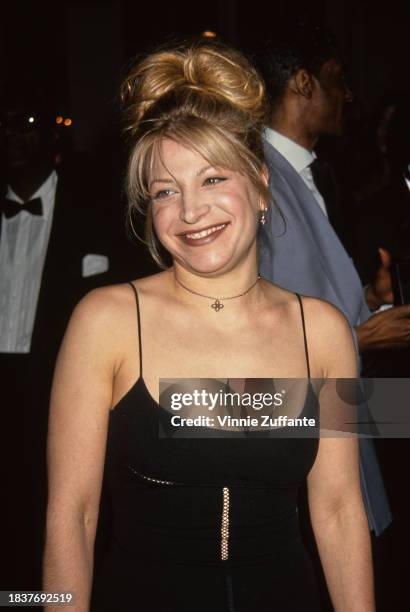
(162, 194)
(214, 180)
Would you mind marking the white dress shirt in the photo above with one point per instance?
(299, 158)
(23, 248)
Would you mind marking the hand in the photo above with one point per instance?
(380, 291)
(389, 329)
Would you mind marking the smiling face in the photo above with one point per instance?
(205, 217)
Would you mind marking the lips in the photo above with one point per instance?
(203, 236)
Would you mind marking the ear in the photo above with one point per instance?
(302, 84)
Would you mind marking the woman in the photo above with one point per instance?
(198, 524)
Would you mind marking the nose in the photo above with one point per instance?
(193, 208)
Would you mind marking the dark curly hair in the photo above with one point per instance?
(293, 47)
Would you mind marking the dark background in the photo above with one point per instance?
(77, 51)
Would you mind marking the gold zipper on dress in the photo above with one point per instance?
(225, 524)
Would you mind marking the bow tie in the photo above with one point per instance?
(12, 208)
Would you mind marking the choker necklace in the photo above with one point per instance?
(217, 304)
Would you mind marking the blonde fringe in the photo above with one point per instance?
(206, 96)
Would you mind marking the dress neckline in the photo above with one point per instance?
(140, 381)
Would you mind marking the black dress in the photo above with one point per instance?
(202, 524)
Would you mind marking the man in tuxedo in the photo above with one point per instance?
(54, 247)
(301, 250)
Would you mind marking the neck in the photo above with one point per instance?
(229, 285)
(25, 182)
(293, 125)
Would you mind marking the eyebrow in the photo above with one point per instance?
(159, 180)
(204, 169)
(168, 181)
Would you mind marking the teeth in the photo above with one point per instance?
(206, 232)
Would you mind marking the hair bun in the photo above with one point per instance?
(210, 69)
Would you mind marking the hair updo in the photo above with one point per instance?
(206, 96)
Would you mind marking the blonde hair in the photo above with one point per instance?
(206, 96)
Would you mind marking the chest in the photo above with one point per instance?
(194, 352)
(250, 349)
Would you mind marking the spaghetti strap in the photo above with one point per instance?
(139, 324)
(302, 314)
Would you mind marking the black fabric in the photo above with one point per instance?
(77, 229)
(327, 185)
(383, 220)
(166, 502)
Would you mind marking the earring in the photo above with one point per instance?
(263, 218)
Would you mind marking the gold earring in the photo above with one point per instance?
(263, 218)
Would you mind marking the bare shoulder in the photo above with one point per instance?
(99, 324)
(324, 315)
(330, 338)
(324, 319)
(101, 310)
(109, 306)
(105, 315)
(329, 335)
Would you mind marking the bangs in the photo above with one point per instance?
(219, 148)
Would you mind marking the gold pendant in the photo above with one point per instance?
(217, 305)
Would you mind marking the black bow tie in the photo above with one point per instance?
(12, 208)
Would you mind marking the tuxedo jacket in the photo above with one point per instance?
(301, 252)
(79, 228)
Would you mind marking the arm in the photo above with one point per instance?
(336, 506)
(80, 402)
(389, 329)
